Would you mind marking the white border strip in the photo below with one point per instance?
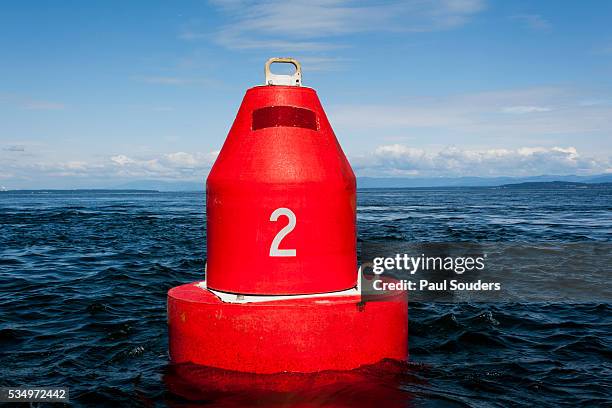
(237, 298)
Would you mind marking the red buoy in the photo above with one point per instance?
(288, 335)
(282, 290)
(280, 200)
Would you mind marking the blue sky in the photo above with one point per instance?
(93, 94)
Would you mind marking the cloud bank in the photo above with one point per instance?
(307, 25)
(20, 169)
(23, 169)
(401, 160)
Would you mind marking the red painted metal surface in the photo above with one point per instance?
(281, 220)
(298, 335)
(281, 152)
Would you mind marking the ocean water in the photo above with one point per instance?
(84, 276)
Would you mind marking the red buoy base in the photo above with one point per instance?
(291, 335)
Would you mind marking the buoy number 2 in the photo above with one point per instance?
(274, 250)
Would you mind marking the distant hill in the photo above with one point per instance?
(407, 182)
(373, 182)
(78, 191)
(390, 182)
(163, 185)
(555, 185)
(604, 178)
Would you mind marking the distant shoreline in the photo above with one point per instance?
(555, 185)
(541, 185)
(81, 190)
(542, 181)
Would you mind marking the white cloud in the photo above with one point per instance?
(303, 25)
(533, 21)
(43, 105)
(603, 50)
(170, 166)
(121, 160)
(29, 103)
(525, 109)
(14, 148)
(510, 114)
(321, 63)
(171, 80)
(397, 159)
(383, 161)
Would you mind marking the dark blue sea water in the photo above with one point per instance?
(84, 276)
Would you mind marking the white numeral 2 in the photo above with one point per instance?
(274, 251)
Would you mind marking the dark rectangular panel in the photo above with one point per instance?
(289, 116)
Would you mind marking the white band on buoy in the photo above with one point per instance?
(237, 298)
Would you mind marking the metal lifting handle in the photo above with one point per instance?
(292, 80)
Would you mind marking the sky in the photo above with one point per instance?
(98, 93)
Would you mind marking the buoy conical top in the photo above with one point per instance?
(280, 198)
